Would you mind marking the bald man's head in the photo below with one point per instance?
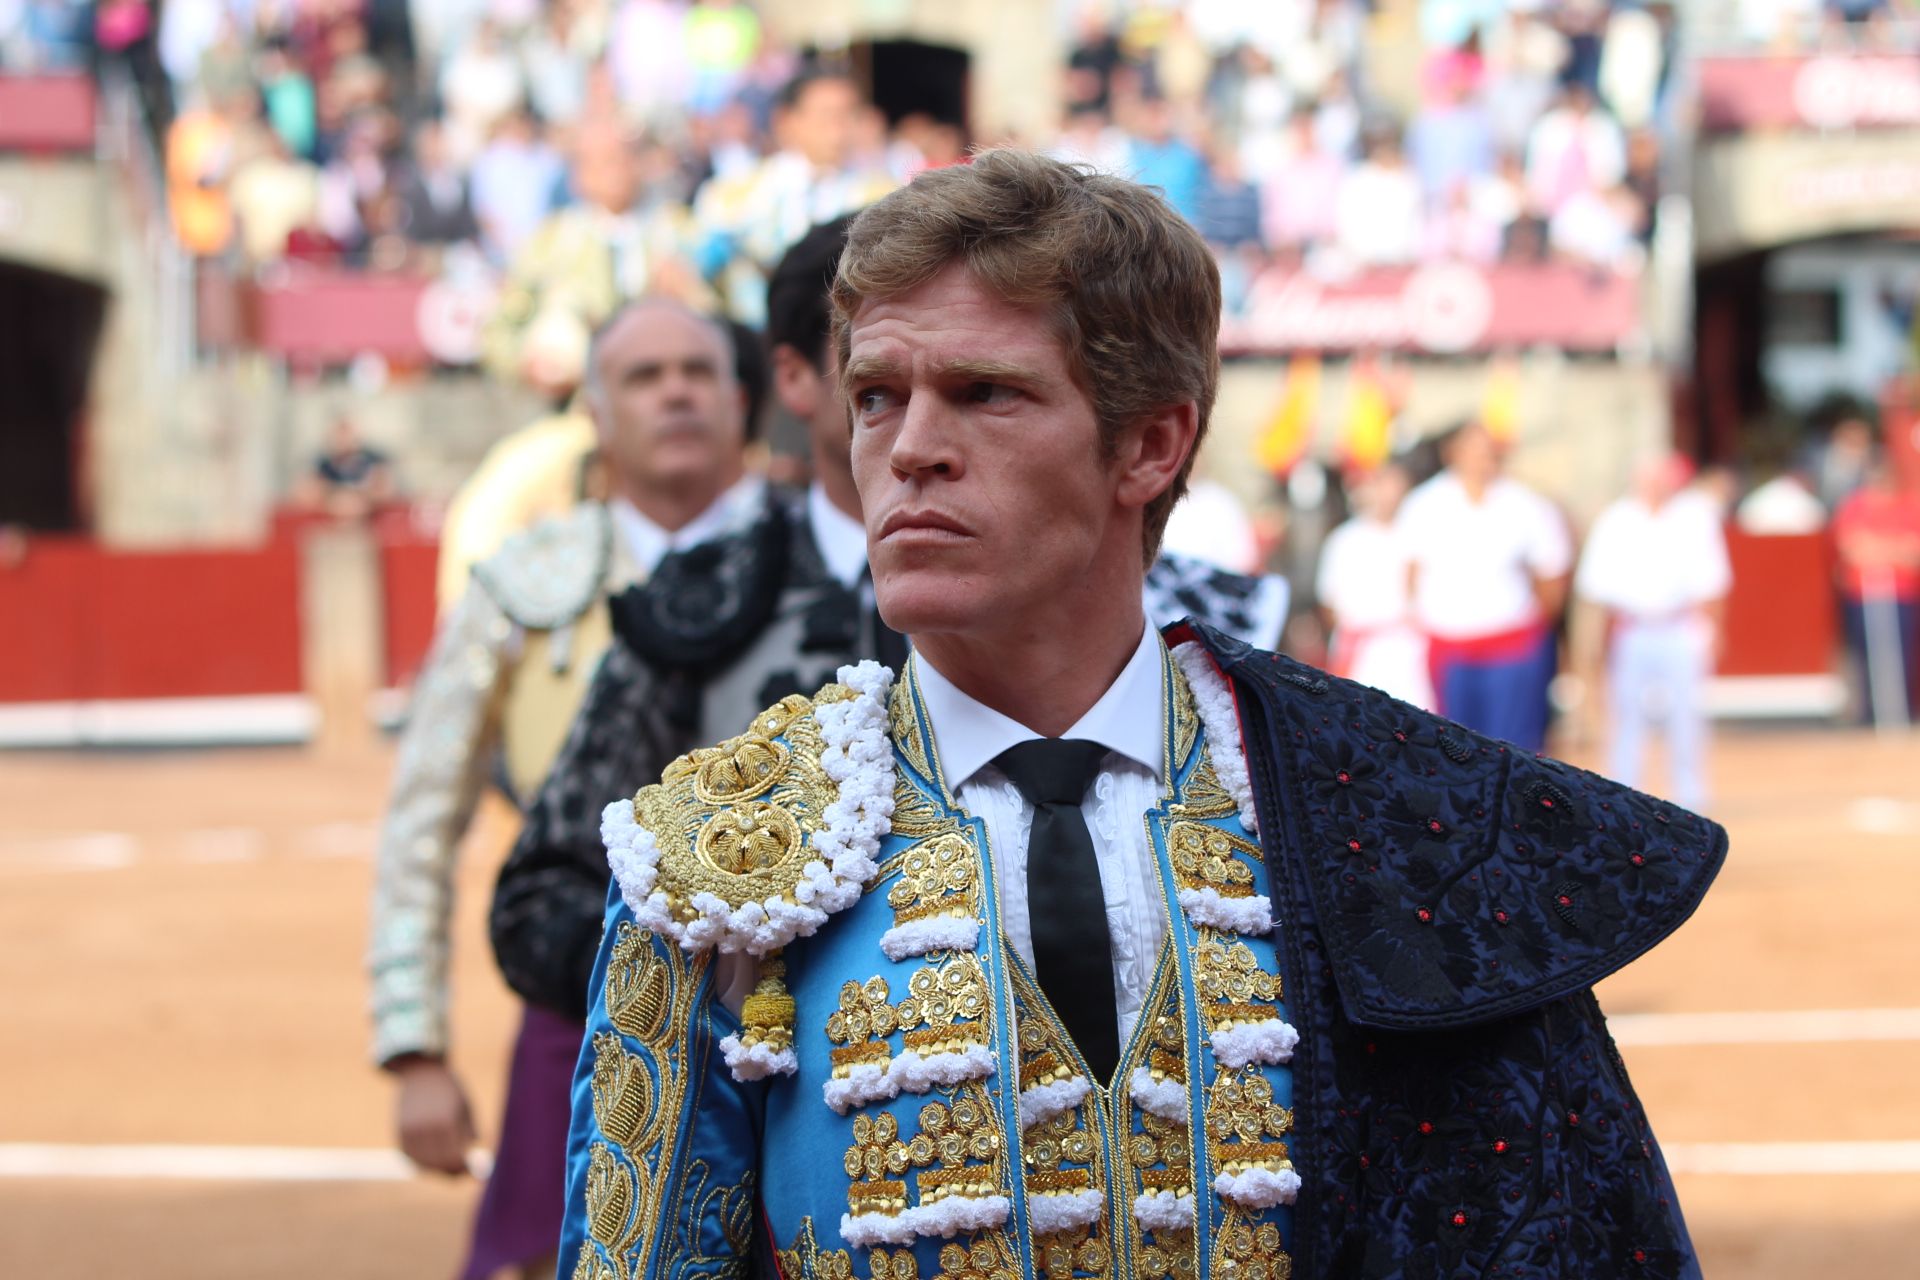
(666, 405)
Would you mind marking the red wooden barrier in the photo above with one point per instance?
(407, 570)
(85, 623)
(1781, 615)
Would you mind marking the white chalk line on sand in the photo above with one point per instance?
(115, 850)
(1765, 1026)
(175, 1162)
(179, 1163)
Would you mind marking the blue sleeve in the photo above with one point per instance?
(663, 1153)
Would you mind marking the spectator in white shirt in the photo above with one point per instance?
(1362, 587)
(1656, 561)
(1381, 212)
(1488, 564)
(1597, 229)
(481, 83)
(1574, 148)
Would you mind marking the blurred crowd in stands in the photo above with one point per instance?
(1796, 25)
(513, 135)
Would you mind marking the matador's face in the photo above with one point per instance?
(977, 457)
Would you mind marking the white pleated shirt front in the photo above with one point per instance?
(1129, 720)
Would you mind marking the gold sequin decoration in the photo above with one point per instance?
(804, 1259)
(1206, 857)
(987, 1256)
(967, 1130)
(1244, 1123)
(1159, 1153)
(865, 1013)
(875, 1162)
(1230, 972)
(1248, 1249)
(949, 1001)
(1170, 1254)
(937, 877)
(957, 1151)
(1064, 1154)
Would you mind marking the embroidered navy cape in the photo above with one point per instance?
(1445, 904)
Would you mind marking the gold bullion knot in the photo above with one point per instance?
(738, 769)
(1206, 857)
(749, 837)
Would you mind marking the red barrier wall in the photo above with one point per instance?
(1781, 615)
(85, 623)
(407, 572)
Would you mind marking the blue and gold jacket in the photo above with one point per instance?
(1370, 1048)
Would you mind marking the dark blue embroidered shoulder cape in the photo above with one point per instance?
(1445, 905)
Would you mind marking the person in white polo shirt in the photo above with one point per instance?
(1362, 586)
(1488, 561)
(1656, 560)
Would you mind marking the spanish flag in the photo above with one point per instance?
(1284, 439)
(1500, 400)
(1366, 423)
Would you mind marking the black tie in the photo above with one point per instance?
(1072, 954)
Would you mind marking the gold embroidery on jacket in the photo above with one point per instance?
(733, 820)
(1063, 1154)
(1246, 1247)
(1206, 857)
(1244, 1124)
(804, 1259)
(904, 723)
(957, 1151)
(1186, 718)
(1158, 1153)
(948, 1004)
(937, 877)
(649, 997)
(987, 1256)
(1203, 795)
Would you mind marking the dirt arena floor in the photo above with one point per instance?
(180, 942)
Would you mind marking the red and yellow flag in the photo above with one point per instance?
(1288, 431)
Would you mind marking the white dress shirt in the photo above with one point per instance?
(1129, 720)
(647, 542)
(1363, 580)
(1478, 560)
(841, 538)
(1655, 564)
